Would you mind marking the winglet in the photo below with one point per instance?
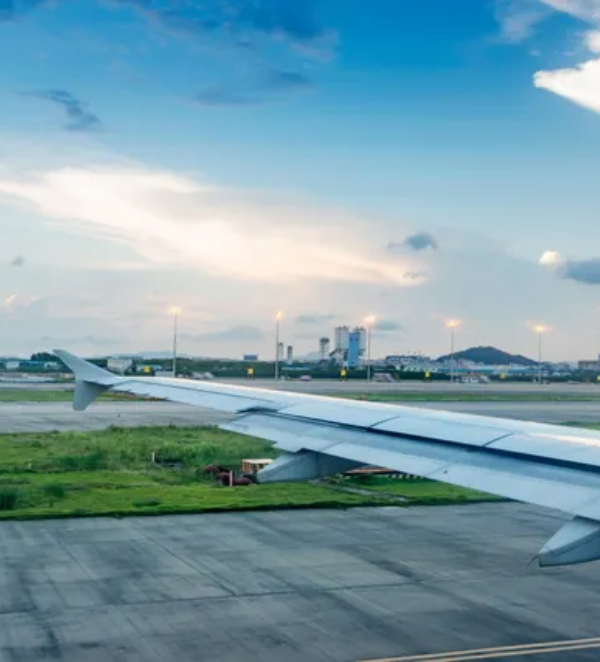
(90, 380)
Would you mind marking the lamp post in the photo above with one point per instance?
(540, 329)
(175, 311)
(369, 321)
(452, 325)
(278, 317)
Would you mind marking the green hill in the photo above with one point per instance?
(490, 356)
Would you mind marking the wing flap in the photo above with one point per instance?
(569, 445)
(464, 433)
(514, 477)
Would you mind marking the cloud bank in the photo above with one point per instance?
(315, 318)
(580, 271)
(168, 218)
(387, 326)
(238, 333)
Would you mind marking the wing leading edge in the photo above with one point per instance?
(544, 465)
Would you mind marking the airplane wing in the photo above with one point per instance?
(545, 465)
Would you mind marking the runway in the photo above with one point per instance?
(325, 586)
(584, 390)
(332, 386)
(47, 416)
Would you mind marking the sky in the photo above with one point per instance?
(416, 160)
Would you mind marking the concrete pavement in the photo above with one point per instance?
(46, 416)
(324, 586)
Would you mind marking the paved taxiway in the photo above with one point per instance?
(324, 586)
(44, 416)
(323, 386)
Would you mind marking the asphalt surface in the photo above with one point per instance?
(324, 586)
(46, 416)
(590, 390)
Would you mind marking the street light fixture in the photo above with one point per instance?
(452, 325)
(369, 322)
(176, 312)
(278, 317)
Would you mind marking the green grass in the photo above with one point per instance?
(401, 396)
(137, 495)
(110, 472)
(117, 449)
(33, 395)
(423, 492)
(42, 395)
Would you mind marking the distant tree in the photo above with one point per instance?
(44, 356)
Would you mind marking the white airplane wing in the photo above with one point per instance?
(546, 465)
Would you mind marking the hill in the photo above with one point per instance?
(490, 356)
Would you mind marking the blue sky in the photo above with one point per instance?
(239, 156)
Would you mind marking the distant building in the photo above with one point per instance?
(324, 348)
(362, 338)
(341, 338)
(354, 349)
(119, 364)
(403, 360)
(280, 351)
(290, 355)
(589, 366)
(250, 357)
(12, 365)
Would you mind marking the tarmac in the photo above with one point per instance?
(323, 386)
(321, 585)
(47, 416)
(378, 585)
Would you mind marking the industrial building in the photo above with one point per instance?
(324, 348)
(341, 338)
(354, 350)
(350, 346)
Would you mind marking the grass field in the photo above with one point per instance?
(111, 472)
(424, 492)
(400, 396)
(41, 395)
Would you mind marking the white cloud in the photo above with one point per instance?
(169, 218)
(580, 84)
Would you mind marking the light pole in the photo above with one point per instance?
(369, 321)
(175, 311)
(452, 325)
(278, 317)
(540, 329)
